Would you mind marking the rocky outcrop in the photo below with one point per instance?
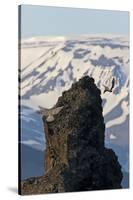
(76, 158)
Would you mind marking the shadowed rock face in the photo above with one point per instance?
(76, 158)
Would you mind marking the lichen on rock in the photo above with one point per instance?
(76, 158)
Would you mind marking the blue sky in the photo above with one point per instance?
(43, 20)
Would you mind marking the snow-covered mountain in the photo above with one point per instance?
(49, 65)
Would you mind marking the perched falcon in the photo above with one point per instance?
(49, 113)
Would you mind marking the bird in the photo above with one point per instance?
(107, 89)
(49, 113)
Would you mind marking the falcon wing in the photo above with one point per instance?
(55, 111)
(44, 111)
(113, 83)
(106, 87)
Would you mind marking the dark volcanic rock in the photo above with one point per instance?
(76, 158)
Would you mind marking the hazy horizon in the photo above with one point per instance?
(59, 21)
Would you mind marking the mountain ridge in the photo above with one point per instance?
(50, 67)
